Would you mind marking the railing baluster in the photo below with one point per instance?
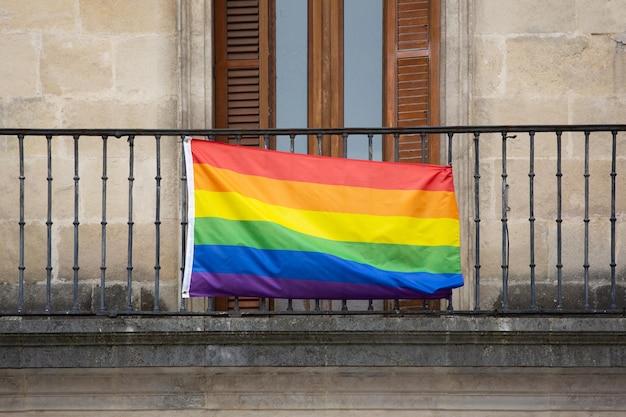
(505, 228)
(183, 222)
(586, 222)
(396, 147)
(210, 301)
(76, 223)
(450, 136)
(131, 180)
(318, 142)
(531, 220)
(157, 226)
(396, 158)
(49, 227)
(613, 219)
(476, 221)
(264, 302)
(344, 149)
(370, 156)
(266, 142)
(292, 149)
(423, 147)
(559, 221)
(21, 267)
(103, 227)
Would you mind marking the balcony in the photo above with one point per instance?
(94, 225)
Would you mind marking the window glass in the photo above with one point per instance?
(291, 69)
(363, 51)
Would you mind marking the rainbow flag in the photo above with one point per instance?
(273, 224)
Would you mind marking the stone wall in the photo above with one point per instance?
(92, 63)
(557, 62)
(88, 64)
(386, 391)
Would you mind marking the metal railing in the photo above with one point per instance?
(461, 145)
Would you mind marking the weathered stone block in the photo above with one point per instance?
(518, 189)
(489, 53)
(76, 65)
(128, 16)
(601, 17)
(117, 252)
(29, 113)
(144, 189)
(8, 294)
(19, 72)
(146, 67)
(572, 293)
(38, 14)
(519, 250)
(573, 249)
(115, 297)
(596, 110)
(36, 188)
(61, 297)
(553, 66)
(525, 16)
(34, 252)
(121, 113)
(519, 110)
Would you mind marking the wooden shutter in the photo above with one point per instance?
(243, 65)
(411, 86)
(243, 48)
(411, 74)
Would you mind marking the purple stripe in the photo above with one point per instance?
(210, 284)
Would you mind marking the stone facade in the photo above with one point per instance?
(89, 64)
(147, 63)
(557, 62)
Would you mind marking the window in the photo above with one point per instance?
(277, 59)
(303, 63)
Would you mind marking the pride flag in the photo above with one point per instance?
(273, 224)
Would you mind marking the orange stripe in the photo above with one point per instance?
(330, 198)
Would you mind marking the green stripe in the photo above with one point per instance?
(267, 235)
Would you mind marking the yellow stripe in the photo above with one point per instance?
(324, 197)
(331, 225)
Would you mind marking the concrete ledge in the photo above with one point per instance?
(132, 341)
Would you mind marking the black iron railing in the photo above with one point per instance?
(461, 145)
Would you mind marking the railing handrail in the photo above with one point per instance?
(325, 131)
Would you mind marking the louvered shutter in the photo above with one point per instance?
(243, 86)
(411, 72)
(242, 65)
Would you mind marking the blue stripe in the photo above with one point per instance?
(286, 264)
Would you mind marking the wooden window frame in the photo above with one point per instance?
(325, 72)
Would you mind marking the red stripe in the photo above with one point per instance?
(323, 170)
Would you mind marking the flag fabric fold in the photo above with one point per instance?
(263, 223)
